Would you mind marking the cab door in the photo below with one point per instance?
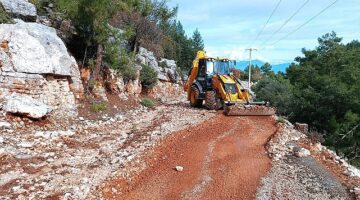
(202, 75)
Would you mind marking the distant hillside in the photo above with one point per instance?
(276, 68)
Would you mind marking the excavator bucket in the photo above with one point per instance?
(249, 110)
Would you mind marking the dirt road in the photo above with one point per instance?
(223, 158)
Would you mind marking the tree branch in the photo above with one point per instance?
(352, 130)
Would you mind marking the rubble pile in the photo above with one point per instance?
(69, 159)
(282, 143)
(303, 170)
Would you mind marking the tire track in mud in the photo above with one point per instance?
(206, 178)
(223, 158)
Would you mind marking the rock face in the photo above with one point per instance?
(168, 88)
(304, 128)
(166, 69)
(20, 8)
(115, 84)
(36, 49)
(168, 92)
(34, 61)
(27, 106)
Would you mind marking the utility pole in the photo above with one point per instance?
(250, 51)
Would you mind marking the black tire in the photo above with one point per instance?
(211, 101)
(194, 100)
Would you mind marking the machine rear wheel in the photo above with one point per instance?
(194, 97)
(211, 101)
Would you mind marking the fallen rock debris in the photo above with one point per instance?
(298, 173)
(179, 168)
(26, 106)
(69, 159)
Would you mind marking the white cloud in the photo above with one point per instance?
(229, 26)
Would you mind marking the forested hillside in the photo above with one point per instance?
(105, 29)
(323, 90)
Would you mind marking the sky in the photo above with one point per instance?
(228, 27)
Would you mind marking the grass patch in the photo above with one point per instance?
(147, 103)
(98, 107)
(281, 119)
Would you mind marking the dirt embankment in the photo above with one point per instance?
(223, 158)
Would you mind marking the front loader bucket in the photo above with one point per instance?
(249, 110)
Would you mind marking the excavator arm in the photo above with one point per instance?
(194, 72)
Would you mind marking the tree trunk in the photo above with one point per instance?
(95, 72)
(99, 58)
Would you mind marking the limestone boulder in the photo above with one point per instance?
(34, 62)
(20, 9)
(166, 69)
(26, 106)
(168, 92)
(33, 48)
(169, 69)
(4, 125)
(301, 152)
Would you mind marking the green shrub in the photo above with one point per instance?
(4, 17)
(148, 77)
(91, 63)
(121, 61)
(98, 107)
(68, 8)
(147, 103)
(281, 119)
(41, 4)
(278, 92)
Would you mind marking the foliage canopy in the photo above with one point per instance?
(322, 89)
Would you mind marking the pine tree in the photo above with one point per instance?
(198, 42)
(266, 69)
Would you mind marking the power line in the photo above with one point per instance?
(286, 22)
(262, 57)
(250, 51)
(308, 21)
(267, 22)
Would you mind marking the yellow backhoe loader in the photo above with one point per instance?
(210, 80)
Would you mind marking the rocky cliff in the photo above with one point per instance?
(168, 88)
(34, 62)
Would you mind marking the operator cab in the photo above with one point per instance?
(222, 67)
(206, 71)
(209, 67)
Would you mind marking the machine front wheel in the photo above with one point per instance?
(211, 101)
(194, 97)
